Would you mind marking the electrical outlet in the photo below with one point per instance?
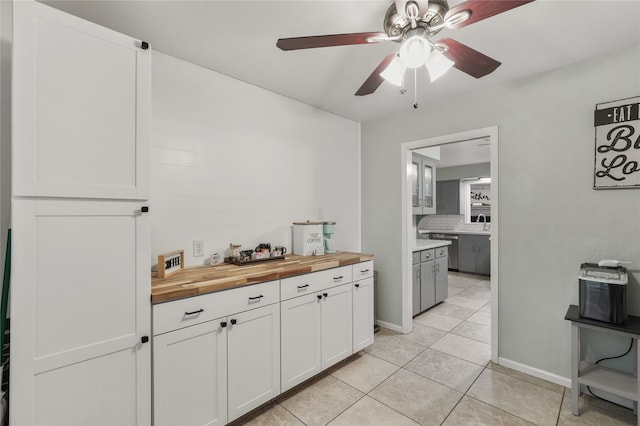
(215, 258)
(198, 248)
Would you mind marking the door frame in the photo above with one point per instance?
(408, 236)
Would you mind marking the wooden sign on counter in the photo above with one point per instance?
(169, 263)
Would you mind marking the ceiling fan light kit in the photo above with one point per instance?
(412, 23)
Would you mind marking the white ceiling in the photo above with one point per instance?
(237, 38)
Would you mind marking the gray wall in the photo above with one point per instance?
(551, 219)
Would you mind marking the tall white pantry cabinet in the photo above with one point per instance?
(80, 296)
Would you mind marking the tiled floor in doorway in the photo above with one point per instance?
(439, 374)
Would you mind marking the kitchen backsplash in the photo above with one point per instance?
(447, 223)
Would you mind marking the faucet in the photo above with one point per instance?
(485, 226)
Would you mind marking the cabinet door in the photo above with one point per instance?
(80, 300)
(301, 328)
(416, 185)
(442, 279)
(483, 255)
(467, 252)
(448, 197)
(416, 289)
(337, 331)
(80, 105)
(253, 361)
(427, 285)
(362, 314)
(190, 376)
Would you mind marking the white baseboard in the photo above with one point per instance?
(535, 372)
(389, 325)
(562, 381)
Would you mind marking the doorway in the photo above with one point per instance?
(408, 232)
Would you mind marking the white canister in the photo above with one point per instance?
(308, 238)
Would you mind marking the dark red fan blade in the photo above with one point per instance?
(483, 9)
(374, 81)
(312, 42)
(468, 60)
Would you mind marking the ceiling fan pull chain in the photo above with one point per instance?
(415, 88)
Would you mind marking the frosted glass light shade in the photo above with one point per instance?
(438, 64)
(414, 52)
(394, 73)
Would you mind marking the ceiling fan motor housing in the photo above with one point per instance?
(397, 25)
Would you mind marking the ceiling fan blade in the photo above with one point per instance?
(375, 80)
(312, 42)
(482, 9)
(468, 60)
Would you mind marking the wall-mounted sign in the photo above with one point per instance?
(617, 149)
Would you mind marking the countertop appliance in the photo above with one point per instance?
(603, 292)
(453, 248)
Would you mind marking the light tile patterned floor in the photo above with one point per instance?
(439, 374)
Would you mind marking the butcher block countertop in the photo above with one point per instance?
(199, 280)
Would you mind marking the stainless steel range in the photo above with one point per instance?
(453, 248)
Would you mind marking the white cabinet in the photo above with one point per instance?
(316, 333)
(326, 324)
(423, 185)
(216, 356)
(253, 360)
(363, 305)
(80, 107)
(80, 313)
(337, 324)
(301, 337)
(190, 375)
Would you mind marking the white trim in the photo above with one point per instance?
(390, 326)
(407, 237)
(535, 372)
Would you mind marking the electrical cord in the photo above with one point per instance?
(607, 358)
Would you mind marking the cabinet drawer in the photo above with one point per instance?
(337, 276)
(427, 255)
(195, 310)
(315, 281)
(362, 270)
(301, 285)
(441, 251)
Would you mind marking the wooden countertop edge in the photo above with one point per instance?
(199, 280)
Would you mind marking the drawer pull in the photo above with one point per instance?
(300, 287)
(223, 324)
(199, 311)
(234, 321)
(364, 271)
(325, 294)
(357, 285)
(256, 297)
(338, 278)
(319, 296)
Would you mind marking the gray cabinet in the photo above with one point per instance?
(475, 254)
(448, 197)
(430, 278)
(423, 185)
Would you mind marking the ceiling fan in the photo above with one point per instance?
(412, 23)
